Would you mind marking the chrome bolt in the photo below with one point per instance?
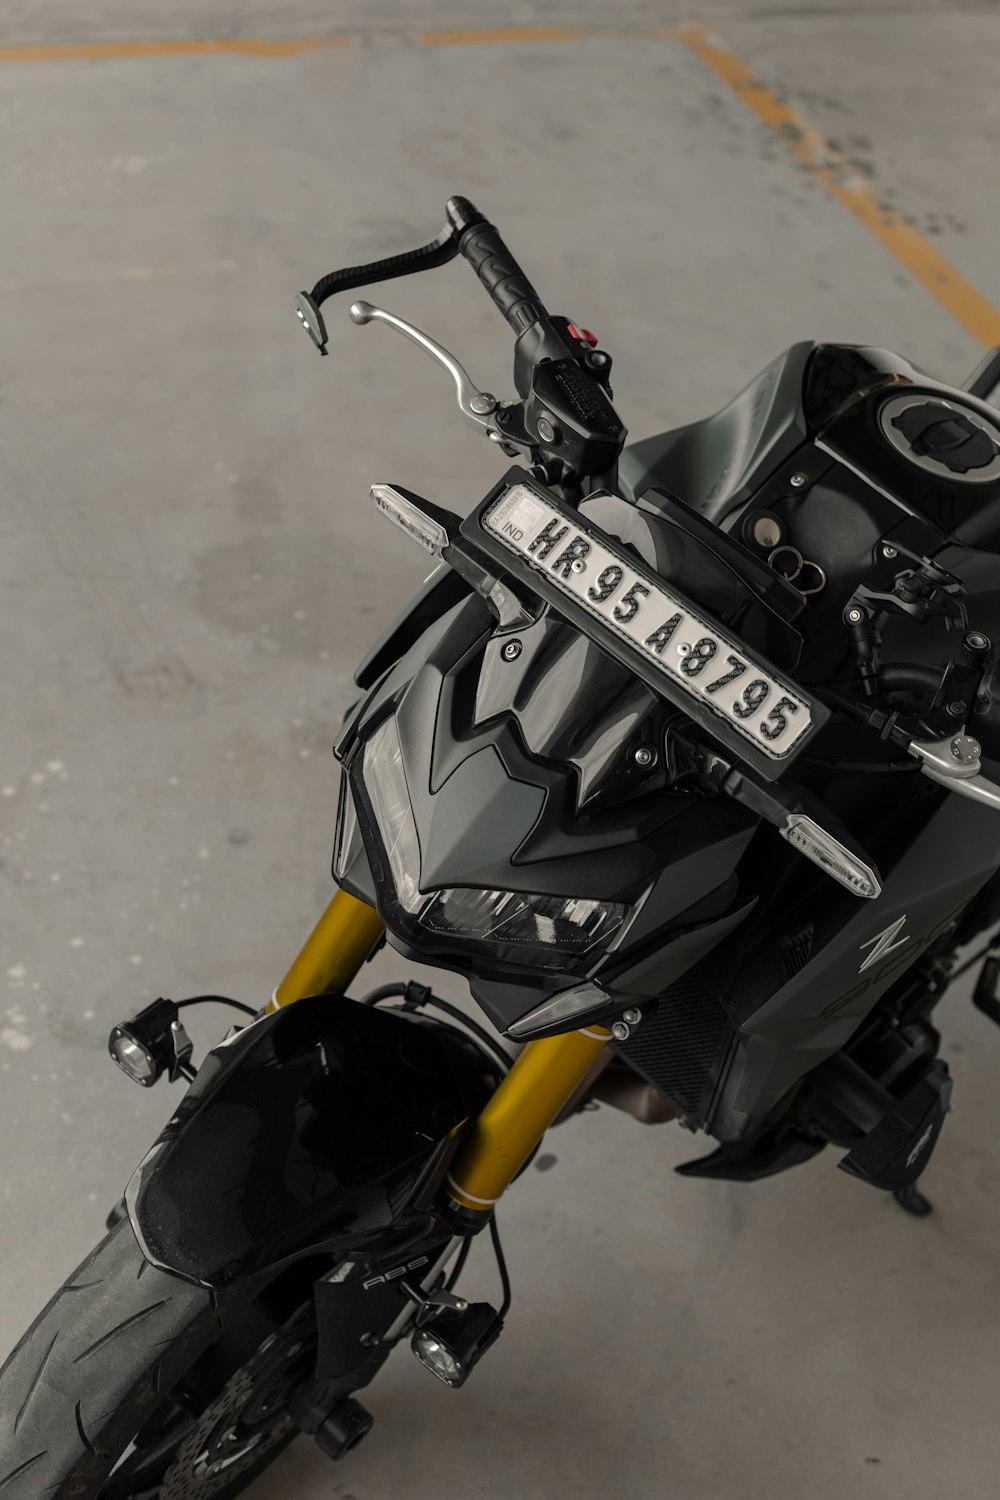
(578, 565)
(957, 709)
(546, 430)
(482, 403)
(976, 641)
(644, 755)
(511, 651)
(888, 551)
(633, 1017)
(798, 480)
(855, 616)
(596, 360)
(766, 532)
(965, 749)
(974, 747)
(621, 1031)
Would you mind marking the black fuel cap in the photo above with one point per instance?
(949, 437)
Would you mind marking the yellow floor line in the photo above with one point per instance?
(946, 285)
(909, 247)
(179, 47)
(254, 46)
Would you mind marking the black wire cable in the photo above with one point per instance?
(387, 991)
(247, 1010)
(459, 1265)
(383, 992)
(503, 1058)
(502, 1268)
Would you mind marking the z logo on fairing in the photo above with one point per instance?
(882, 944)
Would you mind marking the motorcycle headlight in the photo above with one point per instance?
(539, 931)
(536, 930)
(385, 782)
(347, 844)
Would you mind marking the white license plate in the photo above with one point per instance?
(707, 664)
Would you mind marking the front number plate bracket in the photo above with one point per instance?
(672, 644)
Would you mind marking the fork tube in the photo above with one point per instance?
(333, 952)
(516, 1117)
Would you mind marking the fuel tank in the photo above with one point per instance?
(859, 463)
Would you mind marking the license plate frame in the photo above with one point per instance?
(622, 605)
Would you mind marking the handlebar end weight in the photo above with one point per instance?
(463, 215)
(312, 321)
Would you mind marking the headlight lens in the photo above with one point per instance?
(347, 844)
(385, 781)
(540, 931)
(526, 929)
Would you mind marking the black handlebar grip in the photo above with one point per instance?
(496, 268)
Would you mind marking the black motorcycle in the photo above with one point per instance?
(681, 756)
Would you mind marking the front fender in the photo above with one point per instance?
(317, 1127)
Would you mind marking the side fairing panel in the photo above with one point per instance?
(438, 594)
(852, 963)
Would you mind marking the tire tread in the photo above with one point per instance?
(78, 1386)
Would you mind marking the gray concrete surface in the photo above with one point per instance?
(190, 569)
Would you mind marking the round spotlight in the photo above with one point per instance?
(437, 1357)
(133, 1058)
(451, 1342)
(150, 1044)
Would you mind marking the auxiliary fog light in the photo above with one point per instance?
(152, 1043)
(451, 1343)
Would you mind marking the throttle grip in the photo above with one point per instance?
(499, 272)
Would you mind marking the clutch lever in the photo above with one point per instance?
(479, 408)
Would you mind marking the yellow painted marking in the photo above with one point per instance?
(178, 47)
(906, 244)
(925, 264)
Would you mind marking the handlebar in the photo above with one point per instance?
(480, 243)
(565, 418)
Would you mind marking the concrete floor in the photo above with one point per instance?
(191, 568)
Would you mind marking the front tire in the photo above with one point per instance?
(102, 1398)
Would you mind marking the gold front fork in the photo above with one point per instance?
(543, 1078)
(333, 952)
(515, 1118)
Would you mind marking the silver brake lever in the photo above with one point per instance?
(955, 762)
(478, 407)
